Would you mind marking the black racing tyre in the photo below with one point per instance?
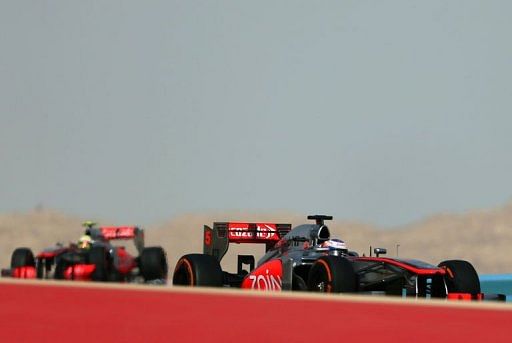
(298, 283)
(22, 257)
(332, 274)
(198, 270)
(115, 276)
(40, 267)
(99, 257)
(461, 277)
(153, 263)
(60, 267)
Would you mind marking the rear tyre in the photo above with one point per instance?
(99, 257)
(153, 264)
(461, 277)
(22, 257)
(332, 274)
(198, 270)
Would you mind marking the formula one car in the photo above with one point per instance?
(307, 259)
(100, 261)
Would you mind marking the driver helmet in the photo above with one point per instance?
(85, 242)
(335, 246)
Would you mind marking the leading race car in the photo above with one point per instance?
(96, 258)
(308, 259)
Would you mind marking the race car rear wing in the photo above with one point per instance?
(107, 233)
(216, 240)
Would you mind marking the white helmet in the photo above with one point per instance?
(336, 246)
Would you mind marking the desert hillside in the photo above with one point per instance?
(481, 236)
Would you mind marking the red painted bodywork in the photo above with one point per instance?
(26, 272)
(465, 296)
(51, 253)
(267, 277)
(118, 232)
(252, 233)
(81, 272)
(126, 262)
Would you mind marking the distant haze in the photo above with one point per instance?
(482, 237)
(383, 112)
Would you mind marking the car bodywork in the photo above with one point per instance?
(291, 254)
(103, 261)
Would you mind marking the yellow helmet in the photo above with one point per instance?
(85, 242)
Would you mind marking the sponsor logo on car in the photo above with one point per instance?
(266, 282)
(261, 231)
(267, 277)
(118, 232)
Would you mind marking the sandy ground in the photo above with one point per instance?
(482, 237)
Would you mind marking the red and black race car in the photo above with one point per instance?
(103, 260)
(307, 259)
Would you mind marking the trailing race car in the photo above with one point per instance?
(307, 259)
(99, 260)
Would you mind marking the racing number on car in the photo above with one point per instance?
(207, 237)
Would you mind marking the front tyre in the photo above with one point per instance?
(461, 277)
(198, 270)
(99, 257)
(22, 257)
(332, 274)
(60, 268)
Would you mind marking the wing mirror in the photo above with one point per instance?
(380, 251)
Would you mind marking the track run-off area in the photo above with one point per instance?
(57, 311)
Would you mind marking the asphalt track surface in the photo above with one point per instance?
(50, 311)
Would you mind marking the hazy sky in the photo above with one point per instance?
(137, 111)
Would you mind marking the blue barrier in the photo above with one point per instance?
(497, 284)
